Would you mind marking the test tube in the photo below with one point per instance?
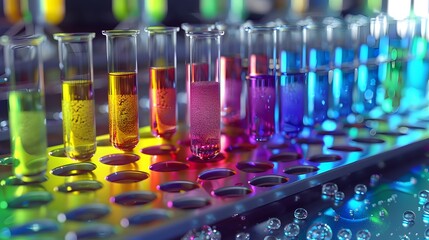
(123, 99)
(261, 82)
(78, 107)
(318, 61)
(27, 121)
(293, 78)
(204, 93)
(233, 92)
(162, 85)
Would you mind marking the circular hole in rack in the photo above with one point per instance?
(268, 181)
(104, 143)
(119, 159)
(133, 198)
(412, 127)
(369, 140)
(298, 170)
(164, 149)
(127, 176)
(58, 152)
(331, 133)
(178, 186)
(92, 231)
(145, 217)
(272, 145)
(32, 227)
(240, 147)
(74, 169)
(14, 181)
(360, 125)
(321, 158)
(285, 157)
(232, 191)
(390, 133)
(85, 213)
(79, 186)
(310, 141)
(254, 167)
(168, 166)
(30, 200)
(216, 173)
(195, 159)
(190, 203)
(346, 148)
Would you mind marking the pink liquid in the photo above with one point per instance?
(232, 109)
(200, 69)
(258, 65)
(205, 119)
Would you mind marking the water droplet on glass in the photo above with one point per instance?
(423, 196)
(426, 234)
(215, 235)
(319, 231)
(374, 179)
(243, 218)
(339, 196)
(270, 238)
(300, 213)
(273, 223)
(291, 230)
(409, 216)
(360, 191)
(242, 236)
(404, 237)
(363, 234)
(344, 234)
(382, 213)
(329, 189)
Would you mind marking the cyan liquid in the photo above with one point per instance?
(366, 88)
(317, 98)
(292, 90)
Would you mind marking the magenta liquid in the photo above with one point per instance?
(205, 119)
(262, 99)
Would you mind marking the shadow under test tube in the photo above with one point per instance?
(27, 121)
(292, 79)
(162, 75)
(78, 104)
(261, 82)
(123, 99)
(204, 93)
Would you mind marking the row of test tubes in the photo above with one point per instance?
(266, 79)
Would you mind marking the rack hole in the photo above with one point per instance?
(30, 200)
(79, 186)
(216, 173)
(232, 192)
(164, 149)
(58, 152)
(178, 186)
(369, 140)
(14, 181)
(285, 157)
(254, 167)
(298, 170)
(310, 141)
(127, 176)
(145, 217)
(33, 227)
(6, 160)
(271, 145)
(331, 133)
(346, 148)
(190, 203)
(412, 127)
(169, 166)
(92, 231)
(321, 158)
(119, 159)
(268, 181)
(85, 213)
(240, 147)
(134, 198)
(391, 133)
(74, 169)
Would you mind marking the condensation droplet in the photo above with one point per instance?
(300, 213)
(242, 236)
(329, 189)
(339, 196)
(363, 234)
(273, 223)
(344, 234)
(319, 231)
(291, 230)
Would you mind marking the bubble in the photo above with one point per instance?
(360, 191)
(215, 235)
(329, 189)
(404, 237)
(409, 216)
(291, 230)
(363, 234)
(242, 236)
(319, 231)
(374, 179)
(270, 238)
(382, 213)
(426, 208)
(300, 213)
(423, 196)
(339, 196)
(344, 234)
(273, 223)
(426, 234)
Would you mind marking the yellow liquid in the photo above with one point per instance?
(78, 119)
(123, 110)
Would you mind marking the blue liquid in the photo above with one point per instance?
(261, 106)
(367, 84)
(292, 90)
(290, 61)
(317, 98)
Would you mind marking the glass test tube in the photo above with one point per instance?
(233, 92)
(292, 79)
(204, 93)
(317, 60)
(162, 85)
(27, 121)
(123, 98)
(78, 104)
(261, 82)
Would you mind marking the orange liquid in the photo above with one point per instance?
(123, 110)
(162, 101)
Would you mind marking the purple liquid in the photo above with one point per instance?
(262, 98)
(205, 119)
(292, 87)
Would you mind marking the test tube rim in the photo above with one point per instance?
(287, 27)
(188, 27)
(33, 40)
(259, 28)
(71, 37)
(205, 34)
(119, 33)
(161, 29)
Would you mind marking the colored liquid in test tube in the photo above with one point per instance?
(204, 92)
(162, 74)
(122, 93)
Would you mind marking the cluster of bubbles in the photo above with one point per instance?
(205, 233)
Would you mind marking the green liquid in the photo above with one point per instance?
(28, 134)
